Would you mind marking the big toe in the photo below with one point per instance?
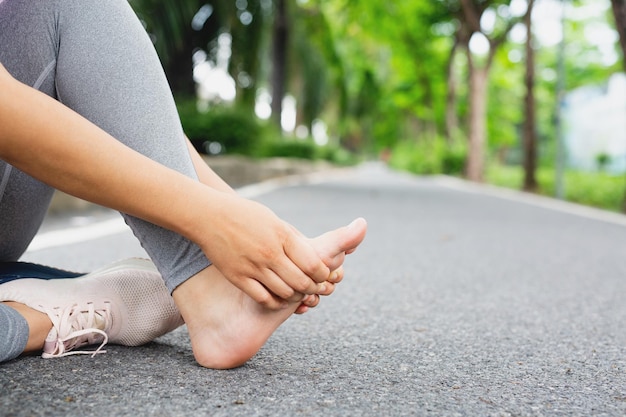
(332, 246)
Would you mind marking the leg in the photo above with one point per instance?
(23, 200)
(107, 71)
(23, 205)
(29, 54)
(96, 58)
(15, 333)
(38, 325)
(112, 77)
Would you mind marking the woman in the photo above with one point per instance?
(96, 60)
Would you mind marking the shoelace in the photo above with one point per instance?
(75, 326)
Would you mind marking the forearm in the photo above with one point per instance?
(50, 142)
(252, 247)
(205, 174)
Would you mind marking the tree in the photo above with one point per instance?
(619, 12)
(530, 128)
(452, 119)
(471, 16)
(247, 26)
(394, 56)
(280, 42)
(176, 35)
(318, 77)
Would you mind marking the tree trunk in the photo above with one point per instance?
(477, 121)
(279, 60)
(530, 134)
(245, 65)
(619, 11)
(179, 71)
(452, 121)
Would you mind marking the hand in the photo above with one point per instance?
(262, 255)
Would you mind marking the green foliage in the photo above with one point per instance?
(603, 160)
(375, 72)
(303, 149)
(337, 155)
(506, 94)
(590, 188)
(318, 69)
(275, 146)
(429, 156)
(237, 131)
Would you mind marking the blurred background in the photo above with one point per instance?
(527, 94)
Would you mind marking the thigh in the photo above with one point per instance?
(28, 45)
(23, 205)
(27, 51)
(95, 57)
(108, 71)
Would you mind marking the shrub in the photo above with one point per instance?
(337, 155)
(235, 131)
(603, 160)
(590, 188)
(429, 156)
(454, 157)
(275, 146)
(303, 149)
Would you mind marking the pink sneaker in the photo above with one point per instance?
(125, 303)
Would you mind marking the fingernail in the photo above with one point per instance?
(322, 288)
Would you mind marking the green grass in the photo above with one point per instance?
(589, 188)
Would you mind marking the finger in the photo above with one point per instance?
(301, 309)
(330, 288)
(308, 302)
(280, 287)
(303, 255)
(336, 276)
(261, 295)
(311, 301)
(297, 280)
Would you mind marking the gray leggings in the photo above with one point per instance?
(95, 57)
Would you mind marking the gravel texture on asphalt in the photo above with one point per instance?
(457, 304)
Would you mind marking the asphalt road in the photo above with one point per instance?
(462, 301)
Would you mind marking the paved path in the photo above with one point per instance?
(460, 302)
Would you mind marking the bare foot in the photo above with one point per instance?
(226, 326)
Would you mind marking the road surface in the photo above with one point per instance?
(462, 301)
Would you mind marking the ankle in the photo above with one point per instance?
(39, 325)
(191, 294)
